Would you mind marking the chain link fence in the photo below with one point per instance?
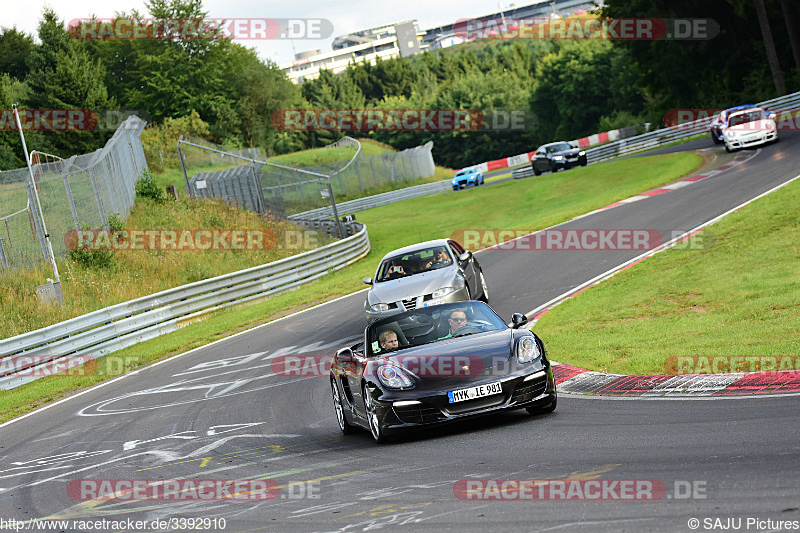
(284, 189)
(80, 191)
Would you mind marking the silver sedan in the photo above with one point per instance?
(424, 274)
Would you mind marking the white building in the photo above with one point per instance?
(358, 47)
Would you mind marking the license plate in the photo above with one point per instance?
(475, 392)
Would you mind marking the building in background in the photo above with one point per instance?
(388, 41)
(405, 39)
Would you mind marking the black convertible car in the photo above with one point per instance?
(557, 155)
(438, 364)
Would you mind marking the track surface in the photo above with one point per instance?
(220, 413)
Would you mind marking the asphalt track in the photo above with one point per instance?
(222, 412)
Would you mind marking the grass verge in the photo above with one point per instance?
(558, 197)
(732, 291)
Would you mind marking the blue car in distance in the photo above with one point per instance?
(467, 176)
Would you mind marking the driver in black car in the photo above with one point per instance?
(457, 320)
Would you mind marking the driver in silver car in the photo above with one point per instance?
(440, 259)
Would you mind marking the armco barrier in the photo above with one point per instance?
(368, 202)
(126, 324)
(625, 144)
(664, 136)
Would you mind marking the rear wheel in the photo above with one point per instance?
(372, 417)
(344, 425)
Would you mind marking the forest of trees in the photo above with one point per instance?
(223, 91)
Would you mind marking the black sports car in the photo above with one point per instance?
(557, 155)
(438, 364)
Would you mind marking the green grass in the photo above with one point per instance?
(556, 197)
(136, 273)
(735, 291)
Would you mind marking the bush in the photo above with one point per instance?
(95, 258)
(146, 187)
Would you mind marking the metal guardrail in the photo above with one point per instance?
(126, 324)
(657, 138)
(524, 172)
(368, 202)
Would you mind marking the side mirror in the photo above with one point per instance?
(518, 320)
(345, 355)
(368, 281)
(465, 256)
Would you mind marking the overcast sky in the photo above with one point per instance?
(346, 16)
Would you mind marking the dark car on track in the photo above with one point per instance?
(554, 156)
(439, 364)
(720, 122)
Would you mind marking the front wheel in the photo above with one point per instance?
(553, 167)
(543, 410)
(344, 425)
(484, 290)
(372, 417)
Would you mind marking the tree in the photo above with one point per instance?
(10, 147)
(577, 86)
(731, 67)
(15, 47)
(63, 76)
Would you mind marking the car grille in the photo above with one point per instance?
(418, 414)
(410, 304)
(475, 405)
(527, 391)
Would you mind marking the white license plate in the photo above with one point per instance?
(475, 392)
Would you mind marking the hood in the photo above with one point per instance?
(441, 364)
(756, 125)
(571, 152)
(412, 286)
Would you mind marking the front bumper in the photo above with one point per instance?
(570, 162)
(751, 139)
(424, 300)
(531, 388)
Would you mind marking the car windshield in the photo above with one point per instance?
(426, 325)
(411, 263)
(749, 116)
(462, 172)
(560, 147)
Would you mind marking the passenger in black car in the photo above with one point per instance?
(388, 340)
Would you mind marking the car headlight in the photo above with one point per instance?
(527, 350)
(394, 377)
(730, 134)
(379, 307)
(444, 291)
(558, 157)
(581, 153)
